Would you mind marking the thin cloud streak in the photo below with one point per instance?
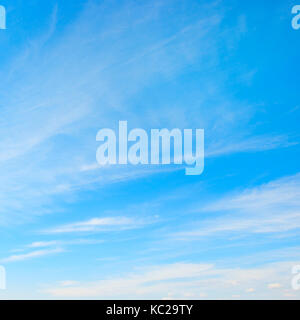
(31, 255)
(186, 281)
(270, 208)
(97, 225)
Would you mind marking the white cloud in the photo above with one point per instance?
(41, 244)
(269, 208)
(184, 281)
(98, 224)
(31, 255)
(252, 144)
(136, 284)
(284, 192)
(69, 283)
(56, 245)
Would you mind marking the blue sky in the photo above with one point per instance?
(72, 229)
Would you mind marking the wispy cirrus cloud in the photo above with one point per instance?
(43, 244)
(31, 255)
(58, 118)
(45, 248)
(250, 144)
(283, 193)
(269, 208)
(186, 281)
(97, 225)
